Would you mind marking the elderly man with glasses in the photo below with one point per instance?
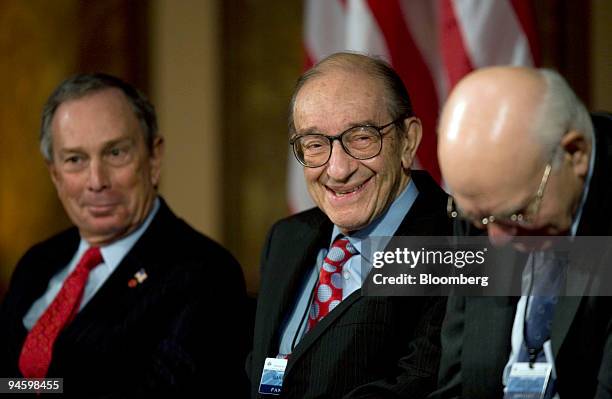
(523, 158)
(353, 129)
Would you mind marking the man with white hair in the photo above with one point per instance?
(523, 157)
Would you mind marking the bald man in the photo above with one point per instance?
(523, 157)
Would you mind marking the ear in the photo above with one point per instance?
(53, 172)
(411, 135)
(578, 149)
(157, 153)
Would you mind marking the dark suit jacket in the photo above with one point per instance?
(181, 328)
(373, 345)
(476, 336)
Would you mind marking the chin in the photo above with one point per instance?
(347, 224)
(533, 244)
(106, 229)
(351, 219)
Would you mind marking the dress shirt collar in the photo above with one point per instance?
(385, 225)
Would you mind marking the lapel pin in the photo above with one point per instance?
(139, 277)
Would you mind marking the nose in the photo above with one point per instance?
(98, 176)
(340, 165)
(500, 235)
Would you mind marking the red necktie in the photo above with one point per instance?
(328, 291)
(38, 346)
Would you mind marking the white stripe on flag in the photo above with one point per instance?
(362, 31)
(492, 33)
(324, 28)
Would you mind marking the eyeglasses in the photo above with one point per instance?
(361, 142)
(524, 217)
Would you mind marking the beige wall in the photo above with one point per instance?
(185, 91)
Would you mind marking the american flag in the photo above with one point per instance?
(432, 44)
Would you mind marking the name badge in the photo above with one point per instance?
(528, 382)
(272, 376)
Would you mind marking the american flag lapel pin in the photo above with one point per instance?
(139, 277)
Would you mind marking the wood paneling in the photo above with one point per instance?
(564, 30)
(38, 48)
(262, 58)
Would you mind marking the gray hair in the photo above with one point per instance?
(560, 112)
(397, 98)
(84, 84)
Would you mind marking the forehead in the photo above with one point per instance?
(339, 98)
(101, 102)
(498, 188)
(101, 114)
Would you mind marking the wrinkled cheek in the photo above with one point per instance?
(71, 203)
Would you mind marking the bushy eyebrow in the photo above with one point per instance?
(112, 143)
(315, 130)
(107, 145)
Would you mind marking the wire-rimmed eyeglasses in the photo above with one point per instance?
(524, 217)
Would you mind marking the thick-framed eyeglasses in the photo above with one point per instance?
(361, 142)
(524, 217)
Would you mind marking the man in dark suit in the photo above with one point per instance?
(523, 157)
(131, 301)
(353, 129)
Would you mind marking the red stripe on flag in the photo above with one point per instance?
(525, 13)
(457, 63)
(309, 60)
(408, 62)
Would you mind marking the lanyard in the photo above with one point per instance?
(531, 352)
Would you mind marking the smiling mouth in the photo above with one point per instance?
(344, 193)
(100, 208)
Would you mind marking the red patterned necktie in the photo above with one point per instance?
(38, 346)
(328, 291)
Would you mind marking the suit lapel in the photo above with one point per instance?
(578, 279)
(313, 335)
(597, 213)
(565, 312)
(291, 267)
(486, 340)
(51, 261)
(111, 292)
(595, 221)
(427, 216)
